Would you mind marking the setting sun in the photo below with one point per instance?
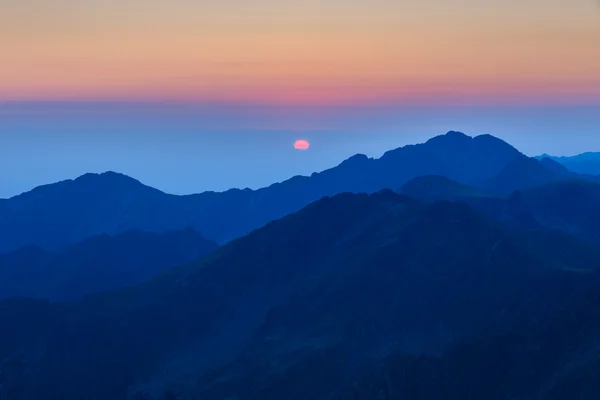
(301, 144)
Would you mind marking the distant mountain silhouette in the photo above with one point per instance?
(569, 205)
(97, 264)
(57, 215)
(522, 174)
(434, 187)
(554, 166)
(54, 216)
(585, 163)
(353, 297)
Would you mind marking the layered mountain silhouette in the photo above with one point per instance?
(586, 163)
(67, 212)
(436, 187)
(355, 296)
(479, 279)
(97, 264)
(569, 205)
(522, 174)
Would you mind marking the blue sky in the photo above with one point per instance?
(187, 150)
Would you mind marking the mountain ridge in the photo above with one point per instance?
(567, 205)
(111, 202)
(587, 163)
(56, 215)
(98, 263)
(323, 296)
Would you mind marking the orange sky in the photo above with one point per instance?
(293, 51)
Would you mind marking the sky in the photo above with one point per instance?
(309, 51)
(191, 95)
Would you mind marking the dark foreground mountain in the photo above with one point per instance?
(64, 213)
(353, 297)
(97, 264)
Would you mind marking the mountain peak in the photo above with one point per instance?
(456, 134)
(108, 176)
(493, 141)
(450, 136)
(520, 174)
(488, 137)
(553, 166)
(358, 156)
(110, 180)
(356, 159)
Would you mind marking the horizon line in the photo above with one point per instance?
(110, 171)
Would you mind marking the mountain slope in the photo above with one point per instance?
(97, 264)
(522, 174)
(322, 296)
(570, 206)
(454, 155)
(57, 215)
(554, 166)
(567, 205)
(435, 187)
(586, 163)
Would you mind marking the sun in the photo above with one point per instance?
(301, 144)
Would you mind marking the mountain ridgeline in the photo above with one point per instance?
(570, 205)
(355, 296)
(586, 163)
(57, 215)
(97, 264)
(454, 269)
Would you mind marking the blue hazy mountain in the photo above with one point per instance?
(436, 187)
(97, 264)
(56, 215)
(479, 281)
(554, 166)
(67, 212)
(521, 174)
(585, 163)
(569, 205)
(353, 297)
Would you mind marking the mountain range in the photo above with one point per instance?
(585, 163)
(354, 296)
(454, 269)
(97, 264)
(569, 205)
(57, 215)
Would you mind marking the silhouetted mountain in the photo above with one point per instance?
(554, 166)
(586, 163)
(521, 174)
(324, 304)
(64, 213)
(434, 187)
(454, 155)
(97, 264)
(569, 205)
